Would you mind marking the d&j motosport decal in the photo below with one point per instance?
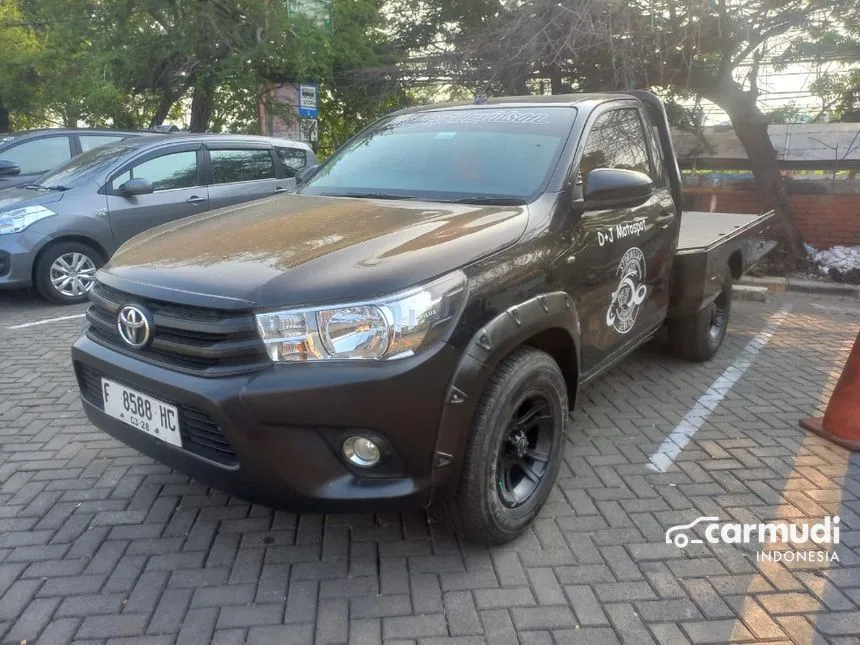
(628, 297)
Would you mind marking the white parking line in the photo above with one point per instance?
(699, 413)
(46, 321)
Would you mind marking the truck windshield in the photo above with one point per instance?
(481, 154)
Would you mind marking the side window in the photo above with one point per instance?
(293, 159)
(90, 141)
(617, 140)
(229, 166)
(167, 172)
(40, 155)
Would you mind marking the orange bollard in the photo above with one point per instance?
(841, 421)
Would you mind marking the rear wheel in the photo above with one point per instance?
(698, 337)
(66, 272)
(514, 450)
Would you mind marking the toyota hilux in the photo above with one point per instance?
(413, 325)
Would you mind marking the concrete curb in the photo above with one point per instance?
(749, 292)
(781, 285)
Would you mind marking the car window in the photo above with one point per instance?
(617, 140)
(90, 141)
(40, 155)
(229, 166)
(167, 172)
(293, 159)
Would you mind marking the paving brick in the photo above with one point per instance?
(586, 636)
(112, 626)
(526, 618)
(332, 621)
(461, 614)
(414, 626)
(585, 605)
(627, 624)
(717, 631)
(250, 615)
(34, 618)
(300, 634)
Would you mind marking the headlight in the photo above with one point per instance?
(384, 329)
(17, 220)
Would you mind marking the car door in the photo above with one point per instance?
(178, 190)
(35, 157)
(622, 255)
(242, 172)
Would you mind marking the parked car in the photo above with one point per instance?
(56, 232)
(26, 155)
(414, 324)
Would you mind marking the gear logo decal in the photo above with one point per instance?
(630, 294)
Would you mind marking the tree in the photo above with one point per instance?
(712, 48)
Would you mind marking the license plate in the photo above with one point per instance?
(141, 411)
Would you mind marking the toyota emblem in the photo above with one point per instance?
(134, 326)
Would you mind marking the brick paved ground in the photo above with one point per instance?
(99, 544)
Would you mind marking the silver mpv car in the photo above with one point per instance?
(56, 232)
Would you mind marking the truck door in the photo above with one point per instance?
(627, 249)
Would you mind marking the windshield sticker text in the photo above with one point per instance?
(475, 116)
(620, 231)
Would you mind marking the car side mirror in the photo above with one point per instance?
(137, 186)
(306, 174)
(9, 169)
(613, 187)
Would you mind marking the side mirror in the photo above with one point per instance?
(609, 187)
(138, 186)
(306, 174)
(9, 169)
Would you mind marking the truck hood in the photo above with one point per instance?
(302, 250)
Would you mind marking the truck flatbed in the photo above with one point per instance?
(709, 241)
(701, 231)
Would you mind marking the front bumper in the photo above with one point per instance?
(283, 426)
(17, 254)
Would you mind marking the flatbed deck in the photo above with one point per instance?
(701, 231)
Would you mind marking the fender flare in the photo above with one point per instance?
(487, 348)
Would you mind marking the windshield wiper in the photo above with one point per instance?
(41, 187)
(495, 201)
(370, 195)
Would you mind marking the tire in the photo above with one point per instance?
(82, 262)
(698, 337)
(489, 507)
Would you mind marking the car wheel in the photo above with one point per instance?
(65, 272)
(514, 450)
(698, 337)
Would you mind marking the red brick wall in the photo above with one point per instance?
(823, 220)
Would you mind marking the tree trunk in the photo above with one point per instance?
(4, 119)
(202, 102)
(750, 126)
(165, 102)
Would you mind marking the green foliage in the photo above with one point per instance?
(133, 63)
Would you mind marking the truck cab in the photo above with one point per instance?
(413, 325)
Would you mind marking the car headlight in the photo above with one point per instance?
(17, 220)
(383, 329)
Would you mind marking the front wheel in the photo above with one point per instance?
(66, 272)
(514, 449)
(698, 337)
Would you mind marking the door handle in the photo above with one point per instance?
(194, 199)
(281, 189)
(664, 220)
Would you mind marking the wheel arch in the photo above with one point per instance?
(80, 239)
(548, 322)
(736, 264)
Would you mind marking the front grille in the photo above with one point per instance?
(5, 263)
(200, 434)
(206, 342)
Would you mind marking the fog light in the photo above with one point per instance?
(361, 451)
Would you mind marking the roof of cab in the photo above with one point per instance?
(554, 100)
